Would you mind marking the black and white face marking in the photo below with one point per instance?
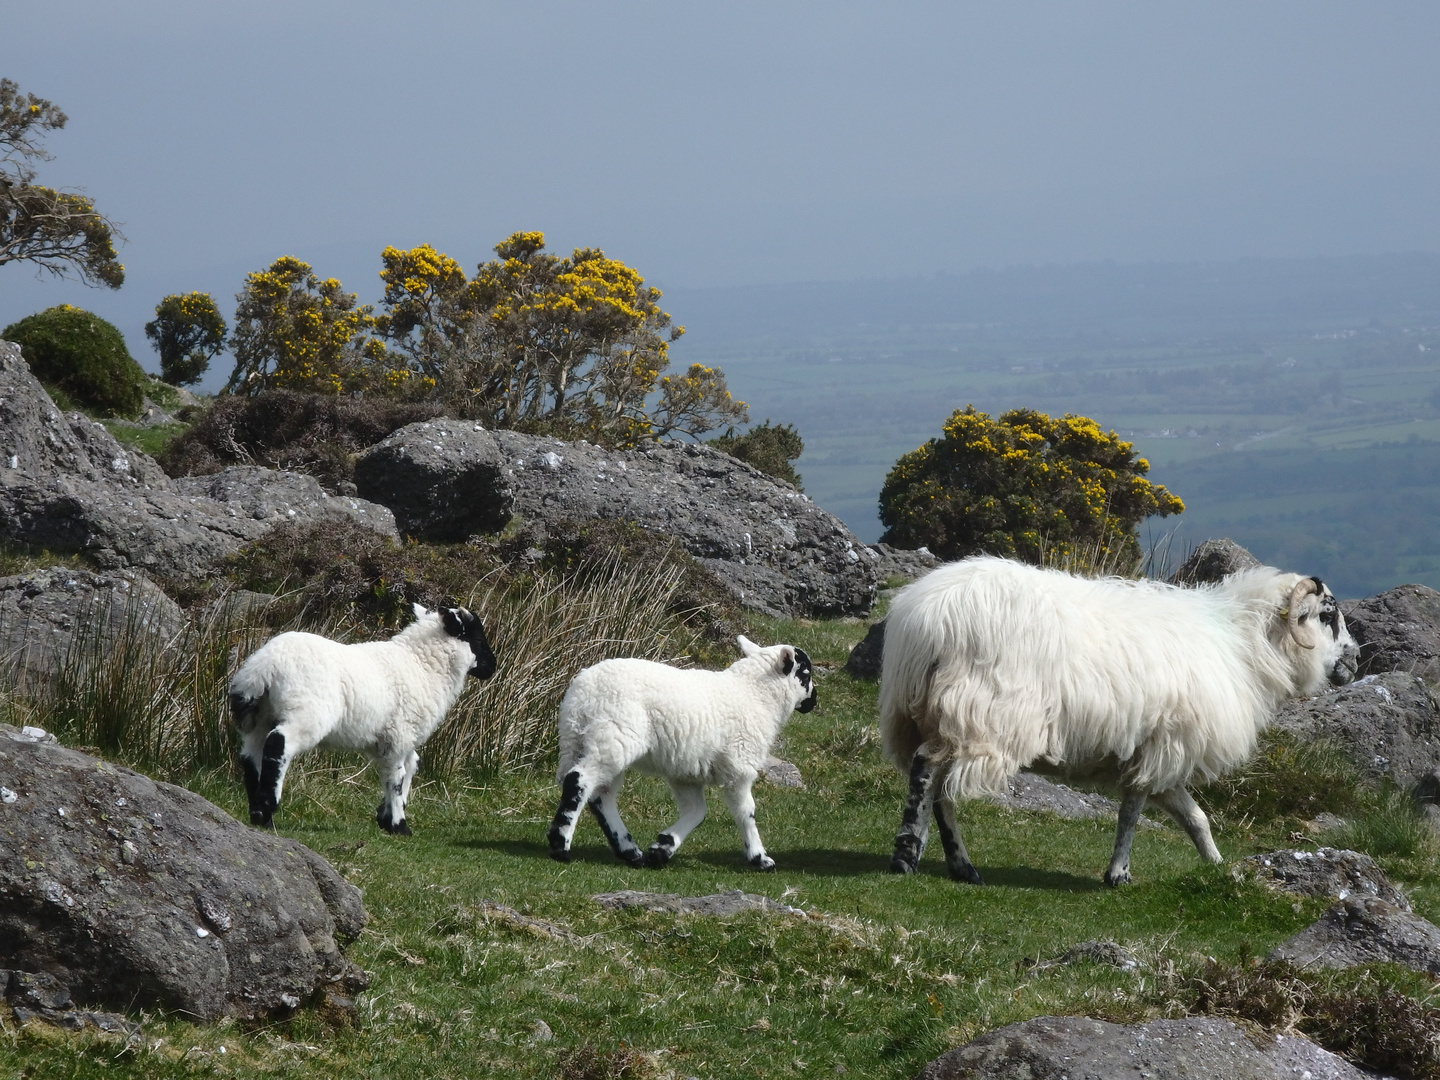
(1344, 669)
(804, 674)
(465, 625)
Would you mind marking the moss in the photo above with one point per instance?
(82, 356)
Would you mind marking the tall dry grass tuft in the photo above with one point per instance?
(543, 630)
(160, 705)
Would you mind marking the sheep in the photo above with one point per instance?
(383, 698)
(990, 666)
(691, 727)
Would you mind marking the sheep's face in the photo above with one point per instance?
(792, 663)
(466, 626)
(1316, 622)
(804, 674)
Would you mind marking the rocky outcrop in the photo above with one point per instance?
(1213, 561)
(1364, 930)
(1389, 723)
(1331, 872)
(864, 659)
(44, 612)
(138, 894)
(1078, 1047)
(773, 548)
(444, 480)
(67, 485)
(1398, 630)
(904, 563)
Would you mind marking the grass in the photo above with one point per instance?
(476, 935)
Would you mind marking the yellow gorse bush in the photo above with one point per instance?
(1024, 486)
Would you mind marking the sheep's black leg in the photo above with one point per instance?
(1118, 872)
(272, 775)
(915, 821)
(606, 808)
(574, 793)
(690, 800)
(390, 815)
(1179, 804)
(252, 784)
(957, 860)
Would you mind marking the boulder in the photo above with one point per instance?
(1081, 1048)
(1213, 561)
(137, 894)
(444, 480)
(774, 549)
(864, 660)
(1364, 930)
(903, 563)
(1389, 723)
(67, 485)
(1026, 791)
(1398, 630)
(43, 612)
(1328, 872)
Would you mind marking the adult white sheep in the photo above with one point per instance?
(692, 727)
(990, 665)
(383, 698)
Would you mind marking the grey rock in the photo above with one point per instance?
(444, 480)
(900, 562)
(1398, 630)
(46, 613)
(1077, 1047)
(1094, 952)
(865, 657)
(1213, 561)
(733, 902)
(138, 894)
(1026, 791)
(67, 485)
(1331, 872)
(782, 773)
(1389, 723)
(1364, 930)
(773, 548)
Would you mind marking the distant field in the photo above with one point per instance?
(1295, 406)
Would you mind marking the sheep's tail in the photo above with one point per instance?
(940, 688)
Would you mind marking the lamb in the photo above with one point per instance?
(694, 728)
(990, 666)
(383, 698)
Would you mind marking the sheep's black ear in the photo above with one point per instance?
(453, 624)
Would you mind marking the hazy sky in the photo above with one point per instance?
(732, 143)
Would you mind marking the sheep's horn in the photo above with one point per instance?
(1301, 628)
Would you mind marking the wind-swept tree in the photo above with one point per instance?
(188, 332)
(294, 331)
(59, 231)
(577, 345)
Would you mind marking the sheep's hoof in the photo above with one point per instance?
(634, 858)
(560, 854)
(657, 856)
(261, 818)
(763, 862)
(1114, 880)
(901, 865)
(395, 828)
(966, 873)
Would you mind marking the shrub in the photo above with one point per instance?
(283, 429)
(772, 449)
(82, 355)
(1024, 486)
(1289, 777)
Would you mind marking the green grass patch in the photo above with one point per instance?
(882, 974)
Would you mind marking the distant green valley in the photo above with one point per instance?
(1293, 404)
